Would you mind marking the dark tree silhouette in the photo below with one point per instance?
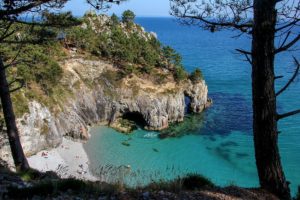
(10, 12)
(263, 20)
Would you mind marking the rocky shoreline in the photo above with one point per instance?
(100, 100)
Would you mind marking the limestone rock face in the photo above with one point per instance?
(103, 102)
(198, 94)
(38, 129)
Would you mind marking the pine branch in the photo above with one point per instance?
(243, 51)
(16, 81)
(285, 39)
(246, 54)
(22, 83)
(21, 9)
(287, 46)
(288, 25)
(291, 79)
(241, 27)
(278, 77)
(288, 114)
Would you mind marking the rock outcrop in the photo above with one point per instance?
(102, 101)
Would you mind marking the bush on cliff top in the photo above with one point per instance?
(196, 75)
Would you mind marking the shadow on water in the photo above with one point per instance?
(229, 112)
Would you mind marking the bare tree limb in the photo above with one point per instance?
(278, 77)
(241, 27)
(285, 39)
(292, 78)
(288, 114)
(288, 25)
(243, 51)
(246, 54)
(287, 46)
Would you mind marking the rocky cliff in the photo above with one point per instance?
(96, 98)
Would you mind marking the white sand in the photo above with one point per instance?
(67, 160)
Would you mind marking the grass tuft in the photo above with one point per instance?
(195, 181)
(189, 182)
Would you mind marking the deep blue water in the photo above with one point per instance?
(220, 146)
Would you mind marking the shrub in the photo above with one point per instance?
(196, 76)
(114, 19)
(195, 181)
(128, 16)
(172, 56)
(147, 69)
(130, 69)
(180, 74)
(188, 182)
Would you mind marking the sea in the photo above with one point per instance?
(218, 143)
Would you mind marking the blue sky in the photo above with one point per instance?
(142, 8)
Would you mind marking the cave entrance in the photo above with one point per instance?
(187, 104)
(135, 117)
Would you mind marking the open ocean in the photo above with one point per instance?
(220, 144)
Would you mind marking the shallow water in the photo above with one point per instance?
(219, 145)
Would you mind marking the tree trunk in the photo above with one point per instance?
(271, 175)
(12, 131)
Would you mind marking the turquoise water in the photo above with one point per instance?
(220, 146)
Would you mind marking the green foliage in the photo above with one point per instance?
(159, 78)
(81, 38)
(173, 58)
(298, 194)
(125, 46)
(128, 16)
(20, 103)
(147, 69)
(130, 69)
(134, 51)
(195, 181)
(180, 74)
(64, 19)
(196, 76)
(29, 175)
(114, 19)
(188, 182)
(40, 67)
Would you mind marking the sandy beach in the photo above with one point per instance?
(67, 160)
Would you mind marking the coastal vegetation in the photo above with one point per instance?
(98, 37)
(190, 186)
